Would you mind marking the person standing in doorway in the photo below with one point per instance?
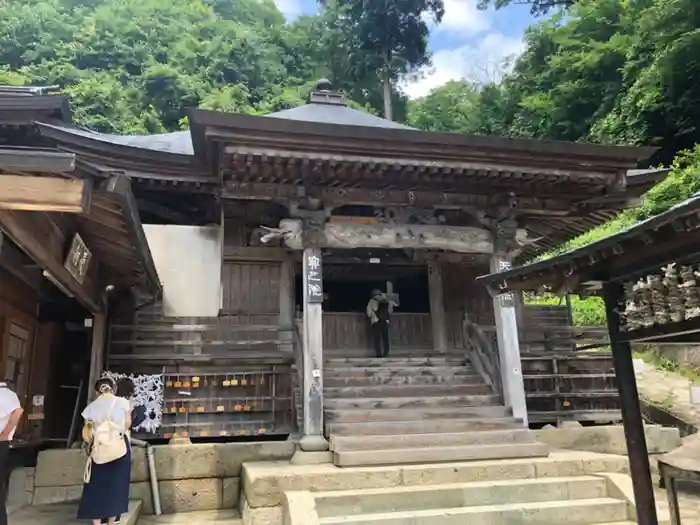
(10, 413)
(379, 310)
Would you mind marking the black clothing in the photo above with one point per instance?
(383, 310)
(380, 334)
(107, 494)
(4, 478)
(138, 416)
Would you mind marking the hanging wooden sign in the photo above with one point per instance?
(78, 260)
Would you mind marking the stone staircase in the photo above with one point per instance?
(402, 410)
(567, 500)
(565, 488)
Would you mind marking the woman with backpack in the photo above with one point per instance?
(127, 389)
(108, 470)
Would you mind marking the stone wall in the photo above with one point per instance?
(688, 356)
(190, 477)
(608, 439)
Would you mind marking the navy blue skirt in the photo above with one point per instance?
(107, 494)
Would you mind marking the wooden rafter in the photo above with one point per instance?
(42, 239)
(443, 200)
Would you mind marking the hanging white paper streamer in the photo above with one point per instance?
(148, 392)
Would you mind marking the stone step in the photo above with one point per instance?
(578, 512)
(403, 456)
(414, 402)
(434, 426)
(436, 439)
(393, 391)
(383, 415)
(391, 371)
(455, 495)
(265, 482)
(396, 361)
(408, 379)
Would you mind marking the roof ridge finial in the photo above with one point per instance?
(324, 94)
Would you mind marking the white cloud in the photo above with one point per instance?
(290, 8)
(480, 61)
(463, 16)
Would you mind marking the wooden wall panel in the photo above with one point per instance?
(18, 312)
(350, 333)
(462, 294)
(250, 288)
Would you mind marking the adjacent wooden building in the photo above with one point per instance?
(71, 246)
(315, 207)
(647, 275)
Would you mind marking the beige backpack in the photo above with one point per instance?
(108, 444)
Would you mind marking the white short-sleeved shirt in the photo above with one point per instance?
(99, 410)
(9, 402)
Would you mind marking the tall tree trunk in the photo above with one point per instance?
(386, 81)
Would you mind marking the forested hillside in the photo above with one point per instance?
(134, 66)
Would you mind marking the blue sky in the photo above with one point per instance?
(468, 44)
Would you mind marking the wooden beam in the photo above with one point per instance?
(313, 439)
(509, 345)
(44, 241)
(49, 194)
(97, 352)
(36, 160)
(340, 196)
(437, 307)
(119, 188)
(435, 159)
(255, 253)
(637, 452)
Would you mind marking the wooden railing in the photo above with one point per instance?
(483, 349)
(562, 338)
(350, 331)
(298, 388)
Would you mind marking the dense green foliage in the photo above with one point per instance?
(538, 7)
(610, 71)
(136, 65)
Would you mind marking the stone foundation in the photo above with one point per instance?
(609, 439)
(208, 476)
(190, 477)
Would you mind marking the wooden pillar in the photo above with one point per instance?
(437, 307)
(97, 352)
(287, 301)
(637, 453)
(313, 439)
(509, 345)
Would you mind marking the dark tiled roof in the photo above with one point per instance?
(177, 142)
(336, 114)
(180, 142)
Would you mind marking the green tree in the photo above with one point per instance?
(386, 38)
(537, 7)
(451, 107)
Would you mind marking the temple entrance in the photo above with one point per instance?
(348, 286)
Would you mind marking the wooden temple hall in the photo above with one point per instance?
(229, 266)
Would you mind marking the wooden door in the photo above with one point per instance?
(17, 358)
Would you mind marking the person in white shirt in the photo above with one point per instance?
(106, 495)
(10, 413)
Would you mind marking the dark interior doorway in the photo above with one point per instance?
(348, 287)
